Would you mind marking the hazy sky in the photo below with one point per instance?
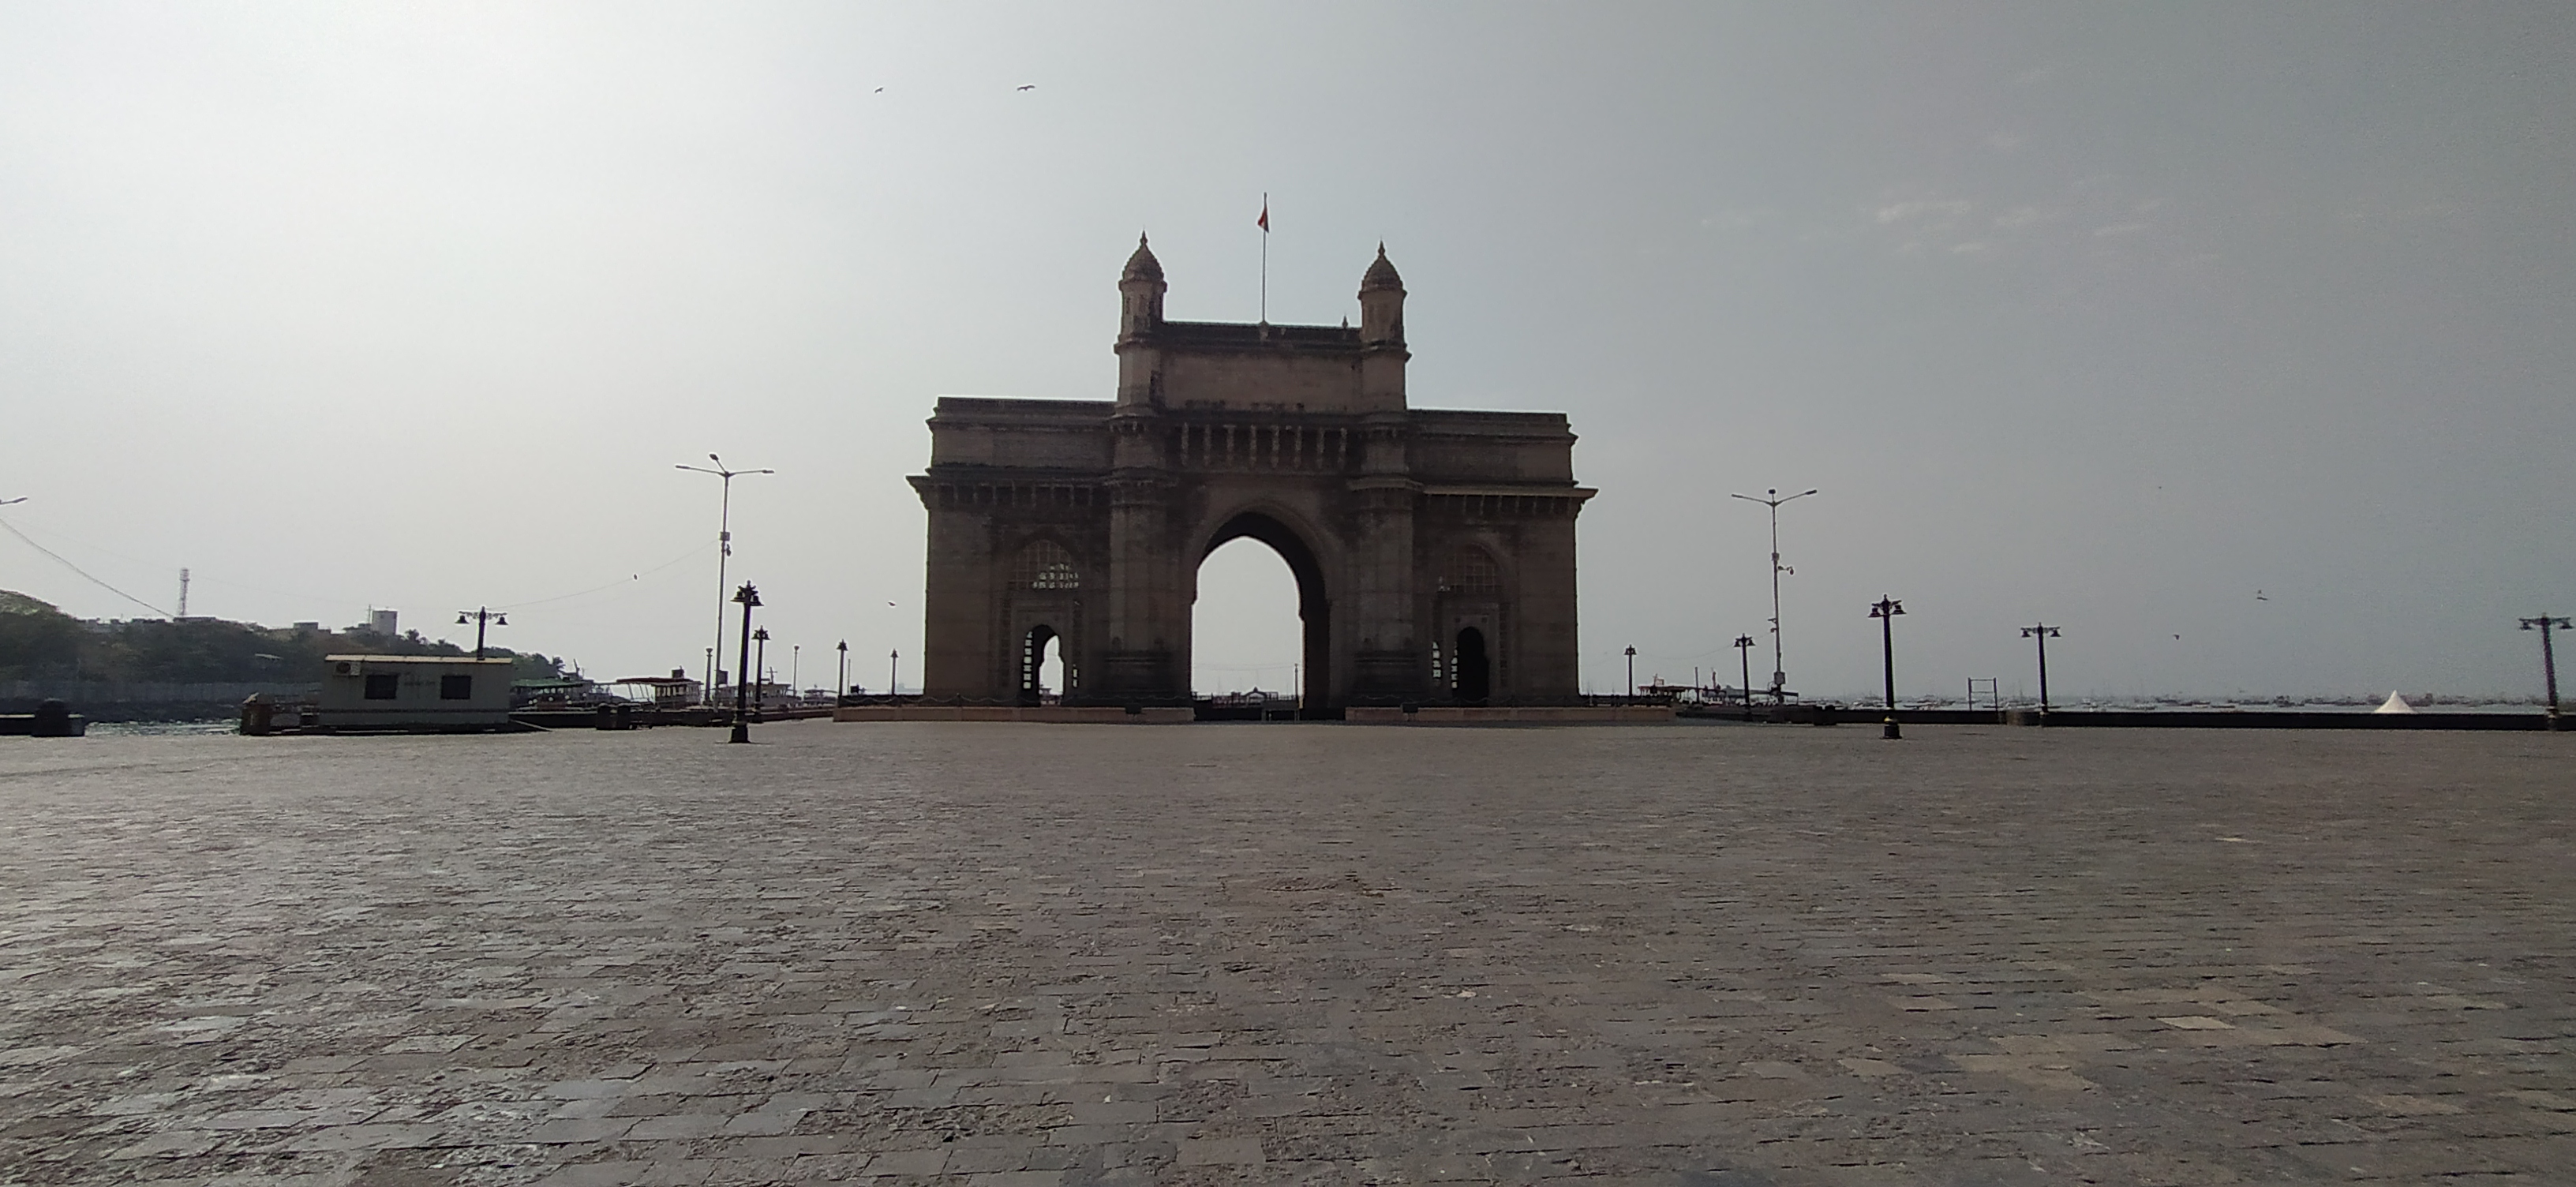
(2104, 315)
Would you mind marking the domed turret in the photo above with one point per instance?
(1381, 275)
(1382, 303)
(1143, 265)
(1140, 288)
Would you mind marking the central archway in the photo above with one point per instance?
(1314, 605)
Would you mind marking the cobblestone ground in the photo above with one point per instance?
(1006, 954)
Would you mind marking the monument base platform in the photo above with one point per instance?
(1059, 714)
(1512, 715)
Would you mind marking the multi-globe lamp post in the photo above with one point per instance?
(1885, 611)
(2042, 632)
(2548, 658)
(747, 598)
(1744, 660)
(482, 617)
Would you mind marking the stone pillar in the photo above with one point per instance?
(1386, 662)
(962, 590)
(1146, 657)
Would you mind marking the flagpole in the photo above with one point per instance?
(1265, 257)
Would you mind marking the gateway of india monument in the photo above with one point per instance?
(1433, 550)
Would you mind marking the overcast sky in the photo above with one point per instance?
(2109, 317)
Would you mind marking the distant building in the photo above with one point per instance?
(426, 693)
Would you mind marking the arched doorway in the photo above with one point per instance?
(1041, 656)
(1475, 668)
(1244, 633)
(1314, 608)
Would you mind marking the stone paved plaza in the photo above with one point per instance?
(1029, 954)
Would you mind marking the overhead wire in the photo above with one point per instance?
(86, 574)
(693, 552)
(66, 562)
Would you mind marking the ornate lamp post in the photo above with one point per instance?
(747, 598)
(759, 670)
(2042, 632)
(843, 688)
(2548, 658)
(1779, 677)
(481, 618)
(894, 668)
(1632, 673)
(1885, 612)
(1744, 658)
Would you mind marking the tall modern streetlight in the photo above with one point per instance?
(1779, 670)
(2042, 632)
(724, 548)
(2548, 657)
(1885, 612)
(481, 617)
(1744, 656)
(748, 598)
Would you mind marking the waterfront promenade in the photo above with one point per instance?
(1031, 954)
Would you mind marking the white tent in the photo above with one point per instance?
(2394, 704)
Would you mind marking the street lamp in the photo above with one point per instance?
(1632, 673)
(894, 666)
(2042, 632)
(481, 618)
(1779, 675)
(2548, 658)
(759, 671)
(1744, 658)
(748, 598)
(1885, 612)
(796, 670)
(842, 689)
(724, 548)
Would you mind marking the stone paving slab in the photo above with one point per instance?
(1030, 954)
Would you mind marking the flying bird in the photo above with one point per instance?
(878, 91)
(1027, 87)
(2258, 596)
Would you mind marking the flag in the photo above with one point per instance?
(1264, 221)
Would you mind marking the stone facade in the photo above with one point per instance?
(1433, 550)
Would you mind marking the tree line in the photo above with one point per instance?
(40, 642)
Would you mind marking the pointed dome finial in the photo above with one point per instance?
(1381, 274)
(1142, 265)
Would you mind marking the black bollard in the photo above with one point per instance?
(54, 720)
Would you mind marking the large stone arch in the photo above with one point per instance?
(1295, 435)
(1274, 525)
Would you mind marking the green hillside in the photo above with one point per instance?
(40, 642)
